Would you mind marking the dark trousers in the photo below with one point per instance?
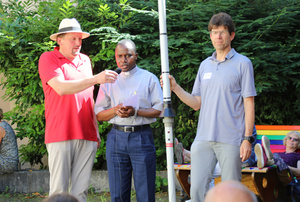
(127, 154)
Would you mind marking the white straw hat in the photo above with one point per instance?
(68, 25)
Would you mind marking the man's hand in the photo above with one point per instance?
(172, 82)
(106, 76)
(98, 140)
(126, 111)
(245, 150)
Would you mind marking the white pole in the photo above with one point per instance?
(168, 112)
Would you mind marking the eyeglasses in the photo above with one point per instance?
(293, 139)
(215, 33)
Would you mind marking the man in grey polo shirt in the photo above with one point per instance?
(224, 93)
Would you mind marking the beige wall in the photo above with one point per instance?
(5, 105)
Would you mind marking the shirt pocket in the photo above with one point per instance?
(144, 100)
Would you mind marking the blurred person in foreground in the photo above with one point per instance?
(71, 133)
(230, 191)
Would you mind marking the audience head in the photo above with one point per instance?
(294, 135)
(230, 191)
(62, 197)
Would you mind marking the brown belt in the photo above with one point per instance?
(131, 129)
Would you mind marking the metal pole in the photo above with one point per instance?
(168, 113)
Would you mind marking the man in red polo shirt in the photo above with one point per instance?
(71, 134)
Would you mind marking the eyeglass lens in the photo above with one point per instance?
(293, 139)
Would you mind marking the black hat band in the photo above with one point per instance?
(66, 29)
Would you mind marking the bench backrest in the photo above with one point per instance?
(275, 133)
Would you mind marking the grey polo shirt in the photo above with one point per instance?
(222, 87)
(137, 83)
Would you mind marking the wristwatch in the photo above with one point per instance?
(135, 111)
(249, 138)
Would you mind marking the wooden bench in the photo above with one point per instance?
(263, 182)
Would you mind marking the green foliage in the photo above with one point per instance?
(104, 128)
(267, 31)
(161, 183)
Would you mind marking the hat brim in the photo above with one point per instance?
(53, 37)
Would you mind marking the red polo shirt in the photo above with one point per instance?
(69, 116)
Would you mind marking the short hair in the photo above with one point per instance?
(1, 114)
(293, 132)
(221, 19)
(126, 42)
(62, 35)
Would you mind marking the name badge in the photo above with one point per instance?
(207, 75)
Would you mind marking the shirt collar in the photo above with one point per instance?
(131, 72)
(229, 55)
(57, 53)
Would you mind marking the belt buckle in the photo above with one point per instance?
(128, 129)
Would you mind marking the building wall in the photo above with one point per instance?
(5, 105)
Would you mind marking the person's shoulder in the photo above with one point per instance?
(207, 61)
(297, 154)
(47, 54)
(144, 71)
(4, 123)
(298, 151)
(242, 57)
(147, 75)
